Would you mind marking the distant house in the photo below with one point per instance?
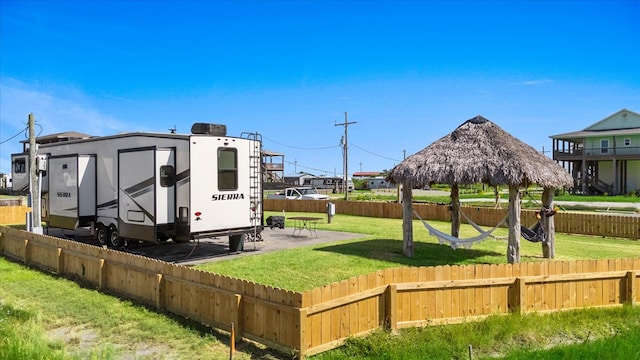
(604, 157)
(5, 181)
(365, 174)
(297, 179)
(378, 183)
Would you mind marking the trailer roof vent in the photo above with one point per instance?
(209, 129)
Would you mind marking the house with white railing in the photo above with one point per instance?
(604, 158)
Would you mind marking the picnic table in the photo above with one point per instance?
(301, 223)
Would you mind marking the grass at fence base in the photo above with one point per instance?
(380, 247)
(34, 305)
(46, 317)
(42, 304)
(581, 334)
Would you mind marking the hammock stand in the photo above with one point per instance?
(455, 242)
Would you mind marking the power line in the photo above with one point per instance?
(378, 155)
(302, 148)
(297, 164)
(14, 136)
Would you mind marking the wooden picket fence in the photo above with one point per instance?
(606, 225)
(314, 321)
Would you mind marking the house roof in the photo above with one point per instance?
(586, 133)
(366, 173)
(479, 151)
(623, 122)
(57, 137)
(271, 153)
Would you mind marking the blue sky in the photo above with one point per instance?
(407, 72)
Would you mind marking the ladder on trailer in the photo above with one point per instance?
(255, 183)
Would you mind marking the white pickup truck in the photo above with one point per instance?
(299, 193)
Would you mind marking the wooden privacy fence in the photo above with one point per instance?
(607, 225)
(262, 313)
(14, 214)
(320, 319)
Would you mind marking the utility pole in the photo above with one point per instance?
(345, 155)
(34, 176)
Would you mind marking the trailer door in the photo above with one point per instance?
(137, 194)
(72, 190)
(219, 184)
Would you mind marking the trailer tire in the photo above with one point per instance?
(102, 234)
(115, 241)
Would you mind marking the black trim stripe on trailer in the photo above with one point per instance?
(183, 177)
(145, 211)
(141, 188)
(108, 205)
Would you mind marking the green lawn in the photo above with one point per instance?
(380, 247)
(45, 317)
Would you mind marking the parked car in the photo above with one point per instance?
(299, 193)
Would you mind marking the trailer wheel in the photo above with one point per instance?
(101, 234)
(115, 241)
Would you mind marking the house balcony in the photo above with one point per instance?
(274, 167)
(598, 154)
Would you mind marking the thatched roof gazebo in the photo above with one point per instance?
(479, 151)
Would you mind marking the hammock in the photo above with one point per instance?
(533, 234)
(481, 230)
(455, 242)
(536, 232)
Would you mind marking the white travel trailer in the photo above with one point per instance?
(151, 186)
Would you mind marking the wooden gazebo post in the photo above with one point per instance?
(407, 220)
(455, 211)
(548, 247)
(513, 249)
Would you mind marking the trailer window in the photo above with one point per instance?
(227, 169)
(20, 166)
(167, 176)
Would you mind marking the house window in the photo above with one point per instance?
(627, 142)
(604, 146)
(227, 169)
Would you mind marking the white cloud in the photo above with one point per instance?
(536, 82)
(55, 110)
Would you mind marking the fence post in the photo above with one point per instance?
(237, 317)
(159, 291)
(518, 297)
(632, 290)
(302, 321)
(60, 267)
(392, 307)
(101, 275)
(26, 251)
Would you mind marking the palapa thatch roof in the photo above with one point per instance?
(479, 151)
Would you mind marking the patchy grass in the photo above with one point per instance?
(45, 317)
(581, 334)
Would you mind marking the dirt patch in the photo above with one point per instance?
(75, 336)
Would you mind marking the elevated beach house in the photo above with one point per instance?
(604, 158)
